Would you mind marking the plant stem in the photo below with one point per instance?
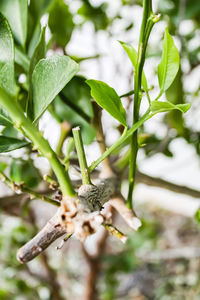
(115, 232)
(81, 156)
(126, 134)
(42, 145)
(69, 148)
(19, 187)
(137, 95)
(127, 94)
(64, 130)
(101, 138)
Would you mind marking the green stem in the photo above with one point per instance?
(137, 95)
(81, 156)
(19, 187)
(64, 130)
(42, 145)
(123, 161)
(127, 94)
(69, 148)
(126, 134)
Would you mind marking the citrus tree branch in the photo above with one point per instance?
(25, 125)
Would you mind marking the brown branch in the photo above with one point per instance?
(49, 233)
(94, 268)
(96, 196)
(164, 184)
(101, 138)
(52, 278)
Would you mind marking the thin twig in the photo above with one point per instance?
(21, 188)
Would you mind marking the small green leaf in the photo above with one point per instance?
(132, 54)
(8, 144)
(16, 13)
(4, 118)
(60, 22)
(108, 99)
(169, 65)
(159, 106)
(38, 54)
(49, 78)
(7, 80)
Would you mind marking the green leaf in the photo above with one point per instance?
(132, 54)
(10, 131)
(8, 144)
(159, 106)
(38, 54)
(7, 80)
(49, 77)
(60, 22)
(35, 11)
(5, 120)
(16, 13)
(169, 65)
(108, 99)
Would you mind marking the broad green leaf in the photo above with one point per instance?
(108, 99)
(8, 144)
(169, 65)
(159, 106)
(38, 54)
(132, 54)
(49, 78)
(7, 80)
(5, 120)
(60, 22)
(16, 13)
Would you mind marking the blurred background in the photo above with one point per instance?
(161, 260)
